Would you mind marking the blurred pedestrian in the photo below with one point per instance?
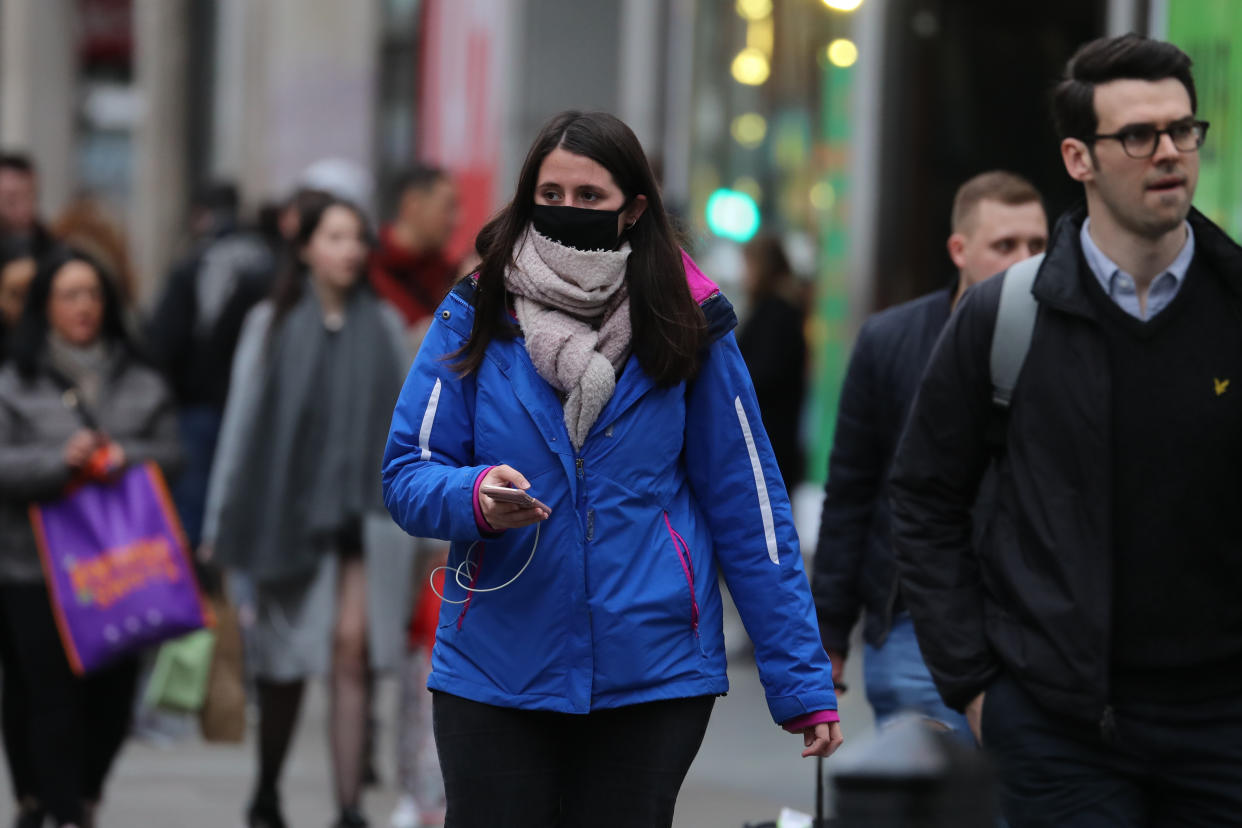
(594, 366)
(214, 211)
(192, 334)
(998, 219)
(71, 336)
(1094, 640)
(194, 331)
(19, 202)
(86, 225)
(409, 270)
(418, 763)
(409, 267)
(294, 503)
(17, 271)
(773, 343)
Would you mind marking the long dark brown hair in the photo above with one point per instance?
(667, 325)
(30, 338)
(291, 281)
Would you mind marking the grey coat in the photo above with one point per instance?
(296, 643)
(135, 409)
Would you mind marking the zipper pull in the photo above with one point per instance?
(578, 465)
(1108, 725)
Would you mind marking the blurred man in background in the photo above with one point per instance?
(195, 328)
(773, 344)
(410, 270)
(998, 219)
(409, 267)
(19, 202)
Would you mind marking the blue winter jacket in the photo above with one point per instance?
(620, 603)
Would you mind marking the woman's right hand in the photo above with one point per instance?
(500, 515)
(79, 447)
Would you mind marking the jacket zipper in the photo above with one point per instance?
(580, 473)
(474, 580)
(687, 567)
(1108, 725)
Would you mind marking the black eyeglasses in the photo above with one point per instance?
(1141, 140)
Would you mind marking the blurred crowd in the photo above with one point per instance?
(157, 386)
(185, 381)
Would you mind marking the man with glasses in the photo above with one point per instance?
(1093, 635)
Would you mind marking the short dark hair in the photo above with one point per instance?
(218, 196)
(668, 327)
(17, 162)
(766, 255)
(996, 185)
(421, 177)
(1107, 59)
(16, 248)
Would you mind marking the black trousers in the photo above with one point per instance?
(13, 716)
(506, 768)
(75, 726)
(1174, 765)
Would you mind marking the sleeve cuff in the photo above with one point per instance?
(808, 720)
(480, 521)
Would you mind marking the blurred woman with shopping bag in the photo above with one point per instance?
(294, 505)
(77, 403)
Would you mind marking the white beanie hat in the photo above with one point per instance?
(342, 178)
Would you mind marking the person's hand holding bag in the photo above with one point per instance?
(500, 515)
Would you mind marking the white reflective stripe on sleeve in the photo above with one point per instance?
(761, 485)
(429, 417)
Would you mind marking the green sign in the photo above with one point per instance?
(829, 332)
(1210, 31)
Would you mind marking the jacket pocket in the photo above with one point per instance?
(687, 567)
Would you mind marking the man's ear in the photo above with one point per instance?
(957, 250)
(1078, 161)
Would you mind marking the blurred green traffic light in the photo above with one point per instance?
(732, 215)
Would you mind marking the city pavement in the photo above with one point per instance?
(746, 771)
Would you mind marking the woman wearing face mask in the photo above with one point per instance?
(294, 503)
(70, 352)
(593, 366)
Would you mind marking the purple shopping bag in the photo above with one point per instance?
(117, 568)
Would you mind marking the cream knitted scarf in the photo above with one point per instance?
(574, 311)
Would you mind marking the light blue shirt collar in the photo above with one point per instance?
(1119, 285)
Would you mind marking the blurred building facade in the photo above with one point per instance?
(842, 125)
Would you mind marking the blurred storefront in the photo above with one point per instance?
(773, 132)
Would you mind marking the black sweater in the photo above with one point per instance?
(1177, 456)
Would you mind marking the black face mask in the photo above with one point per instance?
(578, 227)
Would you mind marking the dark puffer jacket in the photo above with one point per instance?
(854, 568)
(1035, 601)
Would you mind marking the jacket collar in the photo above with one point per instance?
(1059, 282)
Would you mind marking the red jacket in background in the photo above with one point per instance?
(413, 283)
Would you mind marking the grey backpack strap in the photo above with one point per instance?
(1015, 322)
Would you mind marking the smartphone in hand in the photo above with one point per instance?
(508, 494)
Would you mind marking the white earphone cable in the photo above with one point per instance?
(467, 569)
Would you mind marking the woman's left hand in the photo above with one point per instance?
(822, 740)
